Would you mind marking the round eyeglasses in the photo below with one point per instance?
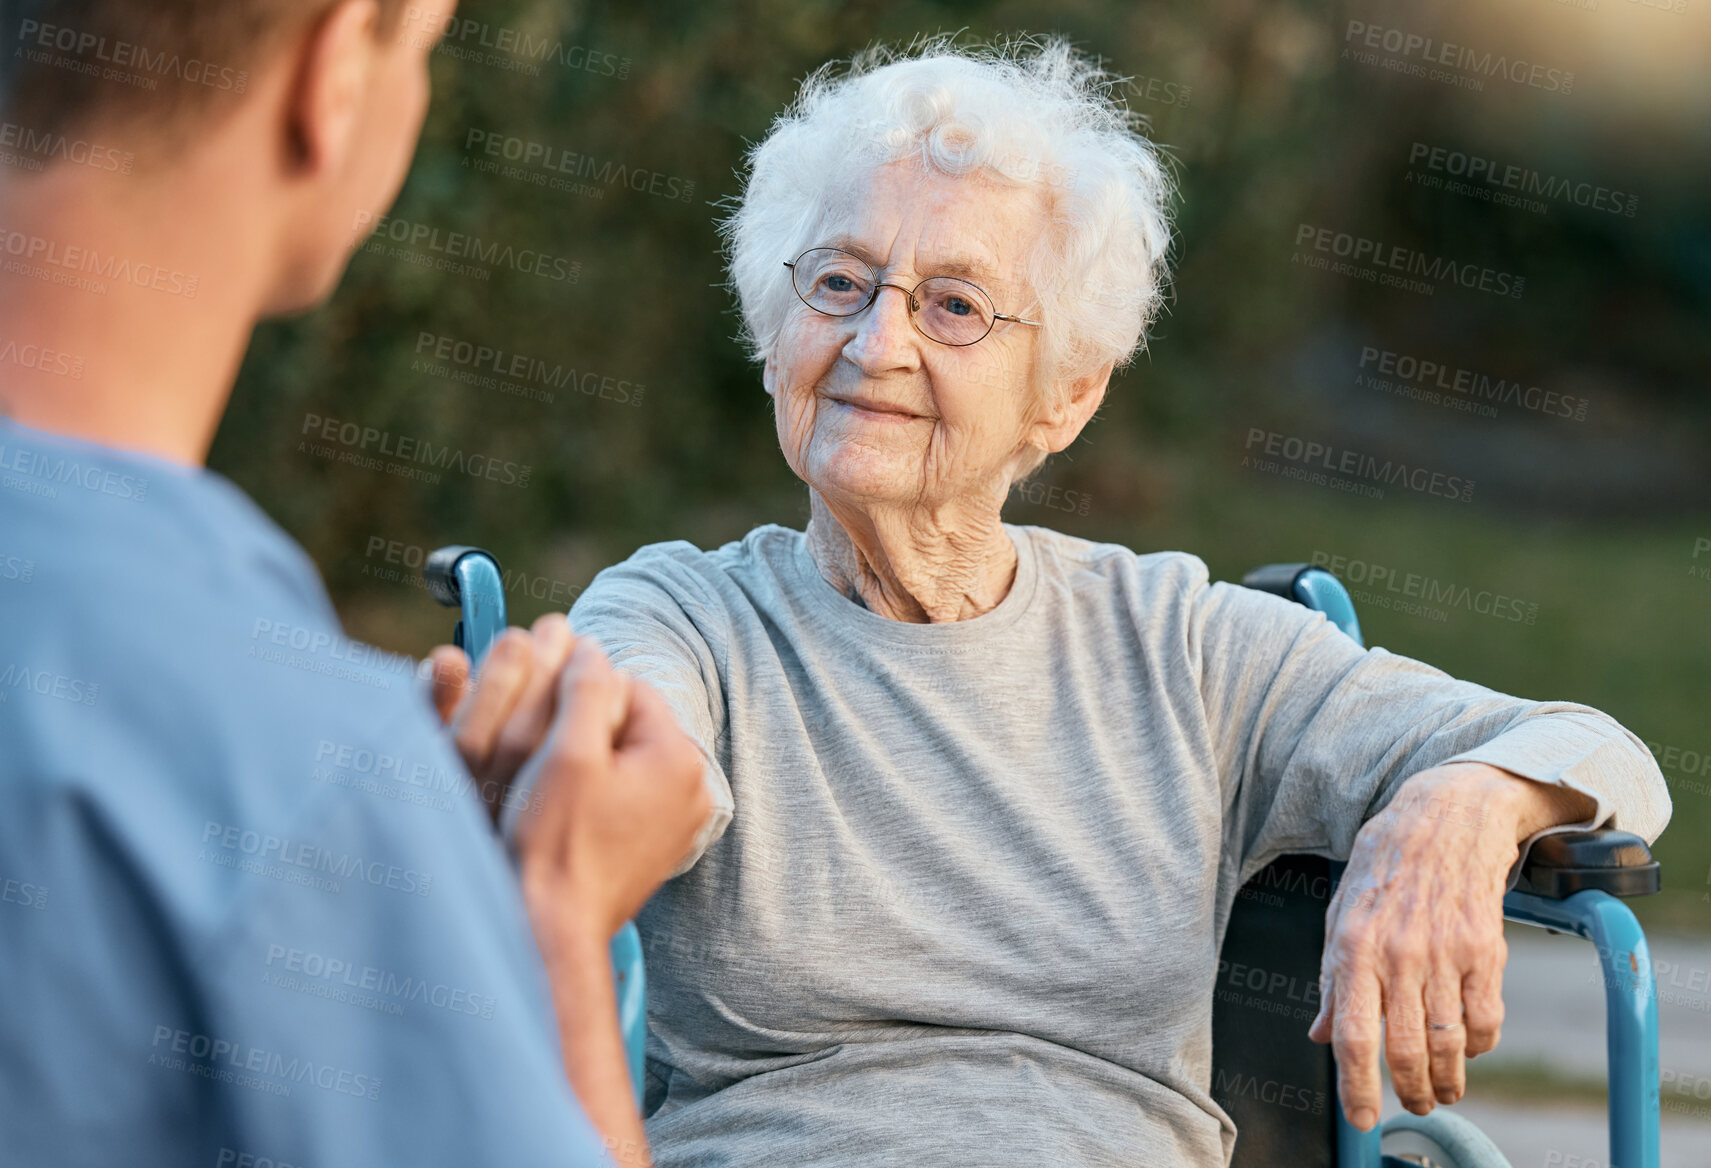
(946, 309)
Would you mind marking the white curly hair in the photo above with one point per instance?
(1023, 111)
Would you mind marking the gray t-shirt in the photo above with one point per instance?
(963, 897)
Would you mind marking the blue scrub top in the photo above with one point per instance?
(251, 912)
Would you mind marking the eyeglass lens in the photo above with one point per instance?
(948, 309)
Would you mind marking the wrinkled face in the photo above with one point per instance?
(869, 410)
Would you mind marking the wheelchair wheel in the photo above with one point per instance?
(1441, 1139)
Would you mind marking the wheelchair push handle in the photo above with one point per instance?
(468, 578)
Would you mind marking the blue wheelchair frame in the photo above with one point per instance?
(1630, 996)
(468, 578)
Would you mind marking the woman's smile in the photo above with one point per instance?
(874, 410)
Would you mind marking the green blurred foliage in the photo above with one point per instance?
(1270, 125)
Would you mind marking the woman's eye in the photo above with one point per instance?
(836, 283)
(957, 306)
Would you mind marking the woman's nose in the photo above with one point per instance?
(885, 336)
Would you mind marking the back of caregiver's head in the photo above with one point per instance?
(301, 114)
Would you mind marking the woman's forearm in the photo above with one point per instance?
(585, 1001)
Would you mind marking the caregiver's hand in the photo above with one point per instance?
(1414, 935)
(619, 797)
(498, 723)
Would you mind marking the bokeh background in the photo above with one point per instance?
(640, 419)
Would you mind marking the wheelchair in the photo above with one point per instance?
(1279, 1087)
(1572, 882)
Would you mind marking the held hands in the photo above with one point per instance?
(1414, 948)
(617, 794)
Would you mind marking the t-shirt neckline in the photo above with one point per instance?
(863, 624)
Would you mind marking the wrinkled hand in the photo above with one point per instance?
(1414, 939)
(498, 723)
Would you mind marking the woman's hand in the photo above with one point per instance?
(1414, 935)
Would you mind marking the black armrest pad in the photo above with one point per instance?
(1617, 862)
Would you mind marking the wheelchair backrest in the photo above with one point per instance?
(1278, 1086)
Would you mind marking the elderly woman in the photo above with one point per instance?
(985, 793)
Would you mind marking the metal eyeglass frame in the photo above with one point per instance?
(914, 304)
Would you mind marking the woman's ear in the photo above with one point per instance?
(1068, 409)
(768, 378)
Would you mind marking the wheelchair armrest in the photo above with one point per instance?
(1616, 862)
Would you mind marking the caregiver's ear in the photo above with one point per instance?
(1064, 413)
